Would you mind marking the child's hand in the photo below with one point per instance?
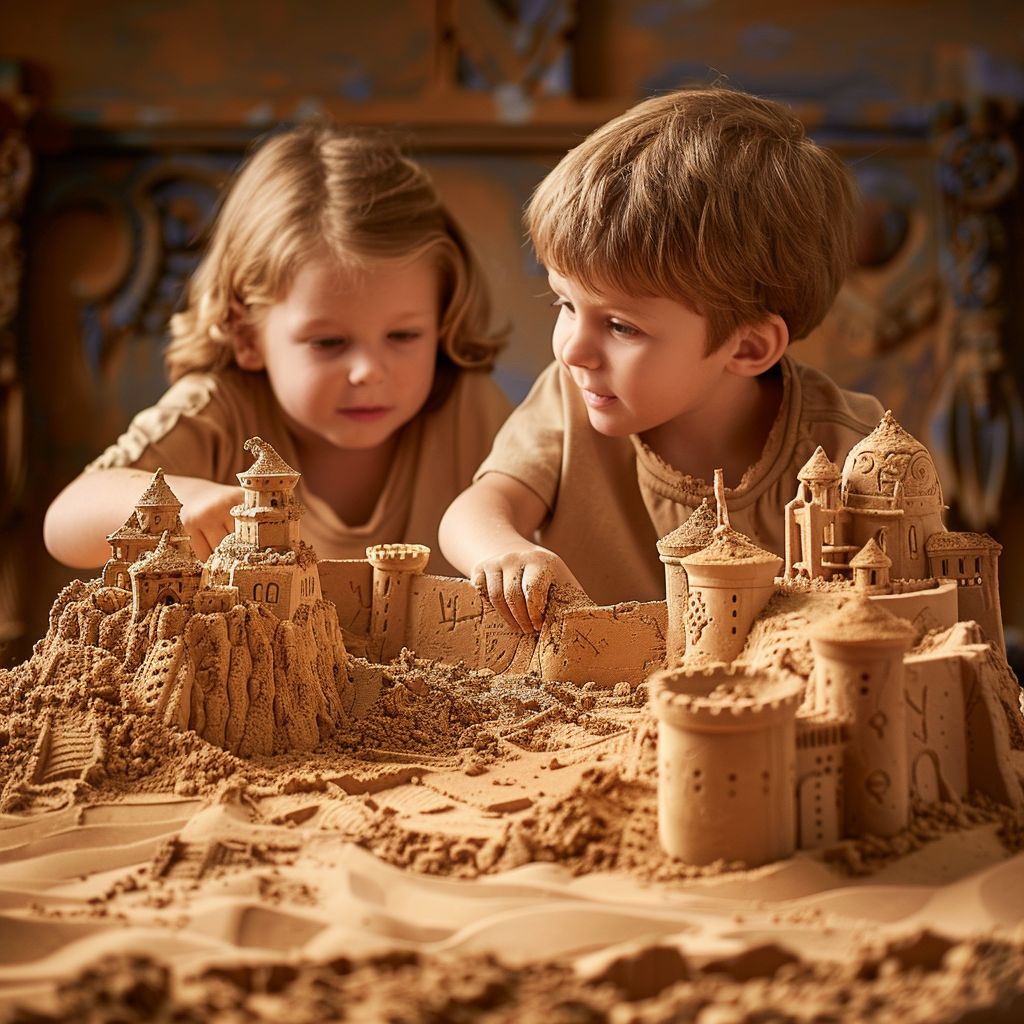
(517, 585)
(205, 511)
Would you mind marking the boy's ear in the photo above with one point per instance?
(243, 338)
(758, 347)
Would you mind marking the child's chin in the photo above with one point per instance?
(610, 426)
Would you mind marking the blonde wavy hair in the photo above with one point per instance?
(354, 194)
(712, 198)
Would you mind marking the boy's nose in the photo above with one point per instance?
(578, 348)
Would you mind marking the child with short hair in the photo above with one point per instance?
(340, 315)
(687, 243)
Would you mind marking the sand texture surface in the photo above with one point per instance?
(449, 845)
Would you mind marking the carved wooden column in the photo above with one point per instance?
(977, 432)
(15, 174)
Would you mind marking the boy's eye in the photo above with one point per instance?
(327, 343)
(404, 335)
(622, 329)
(564, 303)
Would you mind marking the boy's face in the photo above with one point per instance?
(639, 362)
(350, 358)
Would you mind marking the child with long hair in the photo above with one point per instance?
(340, 315)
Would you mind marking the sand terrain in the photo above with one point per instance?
(474, 848)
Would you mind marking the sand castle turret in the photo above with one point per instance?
(814, 522)
(729, 583)
(265, 558)
(871, 569)
(858, 681)
(726, 764)
(972, 559)
(269, 515)
(395, 568)
(157, 512)
(167, 575)
(890, 482)
(696, 533)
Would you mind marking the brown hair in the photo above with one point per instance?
(354, 194)
(712, 198)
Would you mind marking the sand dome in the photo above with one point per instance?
(890, 463)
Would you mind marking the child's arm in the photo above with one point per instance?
(98, 502)
(484, 534)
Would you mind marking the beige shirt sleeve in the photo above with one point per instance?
(530, 445)
(199, 426)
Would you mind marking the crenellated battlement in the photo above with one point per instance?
(399, 557)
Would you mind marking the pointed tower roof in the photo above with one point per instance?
(819, 468)
(697, 532)
(890, 436)
(158, 494)
(730, 547)
(861, 620)
(268, 462)
(871, 556)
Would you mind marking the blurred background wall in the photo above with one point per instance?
(120, 120)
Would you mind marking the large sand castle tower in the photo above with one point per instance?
(726, 764)
(858, 681)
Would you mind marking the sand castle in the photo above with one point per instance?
(317, 735)
(265, 648)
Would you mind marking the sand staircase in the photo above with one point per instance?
(69, 751)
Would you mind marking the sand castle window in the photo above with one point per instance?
(912, 537)
(257, 592)
(272, 592)
(977, 565)
(961, 562)
(945, 567)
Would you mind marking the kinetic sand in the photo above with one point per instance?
(274, 788)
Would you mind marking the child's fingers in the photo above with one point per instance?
(491, 587)
(537, 583)
(503, 589)
(515, 599)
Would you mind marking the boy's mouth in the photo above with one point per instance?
(365, 413)
(596, 400)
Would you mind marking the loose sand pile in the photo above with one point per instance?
(464, 847)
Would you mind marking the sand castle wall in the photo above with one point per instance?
(446, 620)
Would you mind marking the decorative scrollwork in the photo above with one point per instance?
(977, 429)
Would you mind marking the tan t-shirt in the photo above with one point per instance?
(612, 498)
(199, 426)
